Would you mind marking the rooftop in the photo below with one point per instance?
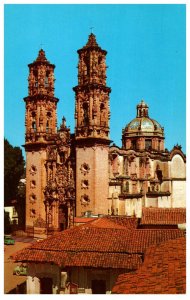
(163, 216)
(102, 243)
(163, 271)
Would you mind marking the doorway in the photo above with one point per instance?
(63, 217)
(46, 285)
(98, 286)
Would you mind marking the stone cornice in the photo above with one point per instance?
(91, 86)
(39, 97)
(89, 142)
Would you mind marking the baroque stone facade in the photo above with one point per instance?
(70, 174)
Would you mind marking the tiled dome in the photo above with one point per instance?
(142, 123)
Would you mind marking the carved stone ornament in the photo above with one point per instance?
(85, 200)
(177, 147)
(62, 176)
(133, 176)
(32, 213)
(51, 153)
(65, 183)
(64, 135)
(50, 191)
(131, 157)
(33, 170)
(32, 198)
(32, 184)
(85, 168)
(39, 222)
(84, 184)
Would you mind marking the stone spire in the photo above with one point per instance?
(41, 56)
(91, 41)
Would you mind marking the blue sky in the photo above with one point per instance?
(146, 60)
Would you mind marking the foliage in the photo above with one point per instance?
(20, 196)
(7, 223)
(13, 170)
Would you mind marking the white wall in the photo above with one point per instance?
(178, 171)
(37, 271)
(179, 194)
(178, 167)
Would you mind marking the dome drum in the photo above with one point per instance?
(144, 143)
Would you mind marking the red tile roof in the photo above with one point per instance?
(83, 238)
(82, 219)
(128, 222)
(163, 271)
(83, 259)
(117, 222)
(114, 222)
(91, 240)
(162, 216)
(105, 223)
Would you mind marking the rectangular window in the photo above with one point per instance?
(133, 144)
(148, 144)
(159, 144)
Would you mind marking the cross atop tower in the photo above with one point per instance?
(91, 28)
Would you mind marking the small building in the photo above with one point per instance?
(12, 212)
(88, 258)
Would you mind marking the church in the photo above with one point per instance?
(82, 174)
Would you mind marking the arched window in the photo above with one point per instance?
(85, 111)
(102, 115)
(127, 187)
(46, 81)
(47, 126)
(48, 121)
(33, 119)
(34, 126)
(36, 78)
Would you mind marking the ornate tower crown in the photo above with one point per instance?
(92, 65)
(92, 110)
(41, 76)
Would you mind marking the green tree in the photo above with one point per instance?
(7, 223)
(20, 206)
(13, 170)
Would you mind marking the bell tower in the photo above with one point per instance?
(41, 126)
(92, 114)
(41, 119)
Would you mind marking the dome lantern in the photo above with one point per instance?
(142, 109)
